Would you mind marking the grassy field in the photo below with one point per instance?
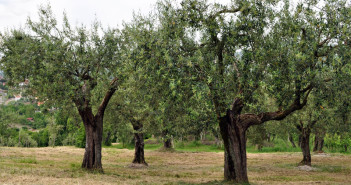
(61, 165)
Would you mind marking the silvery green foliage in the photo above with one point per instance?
(250, 49)
(61, 62)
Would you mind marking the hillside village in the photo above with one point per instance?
(11, 94)
(11, 98)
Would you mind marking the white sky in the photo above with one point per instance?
(14, 13)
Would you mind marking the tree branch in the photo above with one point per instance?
(253, 119)
(324, 41)
(108, 95)
(225, 11)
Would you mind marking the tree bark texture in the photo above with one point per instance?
(93, 131)
(305, 147)
(233, 127)
(305, 142)
(93, 123)
(234, 138)
(139, 143)
(300, 140)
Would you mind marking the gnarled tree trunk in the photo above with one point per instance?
(233, 127)
(305, 147)
(93, 124)
(93, 131)
(139, 143)
(234, 139)
(305, 142)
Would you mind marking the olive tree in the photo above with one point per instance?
(247, 49)
(66, 65)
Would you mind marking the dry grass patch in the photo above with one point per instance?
(61, 165)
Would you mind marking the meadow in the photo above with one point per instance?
(61, 165)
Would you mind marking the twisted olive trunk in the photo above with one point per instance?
(139, 143)
(93, 130)
(305, 147)
(93, 123)
(305, 133)
(234, 139)
(233, 127)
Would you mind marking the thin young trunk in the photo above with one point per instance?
(107, 139)
(315, 143)
(318, 143)
(291, 139)
(139, 143)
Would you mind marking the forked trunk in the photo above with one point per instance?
(233, 128)
(92, 155)
(139, 144)
(305, 146)
(234, 139)
(93, 123)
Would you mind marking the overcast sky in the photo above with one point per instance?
(14, 13)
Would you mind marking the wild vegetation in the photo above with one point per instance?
(249, 76)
